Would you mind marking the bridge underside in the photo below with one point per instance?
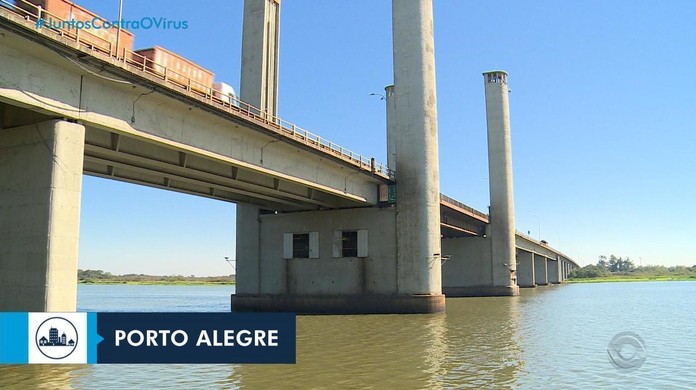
(112, 155)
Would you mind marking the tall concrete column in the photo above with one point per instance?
(416, 148)
(260, 39)
(392, 127)
(540, 270)
(258, 87)
(248, 262)
(525, 269)
(502, 210)
(554, 271)
(40, 188)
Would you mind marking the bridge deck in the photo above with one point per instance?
(128, 65)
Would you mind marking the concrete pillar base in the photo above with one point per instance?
(339, 304)
(40, 185)
(481, 291)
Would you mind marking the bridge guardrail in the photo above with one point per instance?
(136, 61)
(461, 205)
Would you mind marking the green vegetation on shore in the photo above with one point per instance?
(618, 269)
(90, 276)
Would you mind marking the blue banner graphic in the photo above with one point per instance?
(75, 338)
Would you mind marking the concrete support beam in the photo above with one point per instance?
(525, 269)
(40, 188)
(554, 271)
(416, 148)
(260, 40)
(247, 250)
(468, 272)
(540, 270)
(502, 210)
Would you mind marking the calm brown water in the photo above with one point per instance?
(548, 337)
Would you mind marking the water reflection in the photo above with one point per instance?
(38, 376)
(472, 345)
(374, 351)
(483, 342)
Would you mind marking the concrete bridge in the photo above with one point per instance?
(314, 231)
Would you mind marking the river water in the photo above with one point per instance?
(556, 336)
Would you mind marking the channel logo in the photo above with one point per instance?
(79, 338)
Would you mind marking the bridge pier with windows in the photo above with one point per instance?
(333, 262)
(395, 267)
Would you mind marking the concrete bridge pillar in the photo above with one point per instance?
(554, 271)
(502, 210)
(540, 270)
(525, 269)
(40, 189)
(260, 40)
(416, 148)
(487, 266)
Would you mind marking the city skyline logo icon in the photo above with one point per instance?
(56, 338)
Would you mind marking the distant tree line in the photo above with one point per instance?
(99, 276)
(618, 266)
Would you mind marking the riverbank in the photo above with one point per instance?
(634, 278)
(161, 282)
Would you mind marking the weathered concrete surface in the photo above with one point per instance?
(502, 209)
(248, 262)
(40, 186)
(469, 270)
(326, 283)
(260, 41)
(525, 269)
(540, 270)
(416, 148)
(553, 271)
(469, 263)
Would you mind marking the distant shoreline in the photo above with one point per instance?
(612, 279)
(157, 282)
(90, 276)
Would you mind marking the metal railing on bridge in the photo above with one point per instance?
(454, 202)
(178, 81)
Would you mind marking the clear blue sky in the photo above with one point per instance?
(602, 113)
